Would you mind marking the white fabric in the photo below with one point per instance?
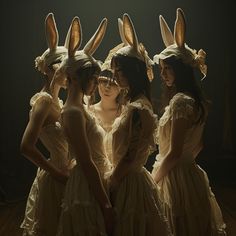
(186, 197)
(41, 218)
(81, 214)
(136, 199)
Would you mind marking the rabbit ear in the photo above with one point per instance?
(180, 28)
(122, 36)
(129, 32)
(75, 36)
(96, 39)
(66, 44)
(166, 33)
(51, 32)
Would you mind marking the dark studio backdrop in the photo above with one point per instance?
(209, 26)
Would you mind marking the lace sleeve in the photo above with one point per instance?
(181, 106)
(39, 97)
(141, 136)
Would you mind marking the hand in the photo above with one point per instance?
(60, 175)
(109, 218)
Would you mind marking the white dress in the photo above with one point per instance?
(136, 201)
(187, 199)
(81, 213)
(107, 132)
(43, 205)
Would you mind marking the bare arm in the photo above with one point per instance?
(178, 131)
(74, 124)
(31, 136)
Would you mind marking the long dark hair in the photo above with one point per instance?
(185, 82)
(136, 73)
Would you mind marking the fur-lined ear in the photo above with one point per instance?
(129, 32)
(51, 32)
(180, 28)
(75, 36)
(66, 44)
(166, 33)
(122, 36)
(96, 39)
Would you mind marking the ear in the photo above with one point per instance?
(166, 33)
(129, 32)
(51, 32)
(96, 39)
(122, 36)
(66, 44)
(75, 36)
(180, 28)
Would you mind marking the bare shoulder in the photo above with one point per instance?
(73, 113)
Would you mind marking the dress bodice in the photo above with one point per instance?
(180, 106)
(52, 135)
(107, 132)
(133, 132)
(95, 135)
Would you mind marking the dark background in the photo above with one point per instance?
(210, 25)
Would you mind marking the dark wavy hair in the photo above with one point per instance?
(136, 73)
(185, 82)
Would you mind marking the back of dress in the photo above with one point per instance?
(137, 138)
(181, 106)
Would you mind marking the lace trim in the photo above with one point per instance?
(44, 95)
(38, 96)
(180, 106)
(138, 104)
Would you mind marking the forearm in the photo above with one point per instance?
(93, 177)
(36, 157)
(167, 165)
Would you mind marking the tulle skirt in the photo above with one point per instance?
(188, 202)
(138, 209)
(43, 206)
(81, 213)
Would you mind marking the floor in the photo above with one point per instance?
(12, 214)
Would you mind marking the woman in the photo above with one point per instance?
(110, 105)
(132, 189)
(187, 200)
(44, 124)
(86, 207)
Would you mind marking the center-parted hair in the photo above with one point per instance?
(185, 82)
(135, 71)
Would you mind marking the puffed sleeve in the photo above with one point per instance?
(181, 106)
(40, 97)
(141, 131)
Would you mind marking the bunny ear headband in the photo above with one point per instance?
(131, 46)
(54, 53)
(82, 58)
(106, 66)
(176, 46)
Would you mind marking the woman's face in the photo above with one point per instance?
(59, 76)
(119, 77)
(108, 88)
(167, 73)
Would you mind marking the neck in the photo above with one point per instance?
(48, 80)
(55, 92)
(74, 96)
(108, 104)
